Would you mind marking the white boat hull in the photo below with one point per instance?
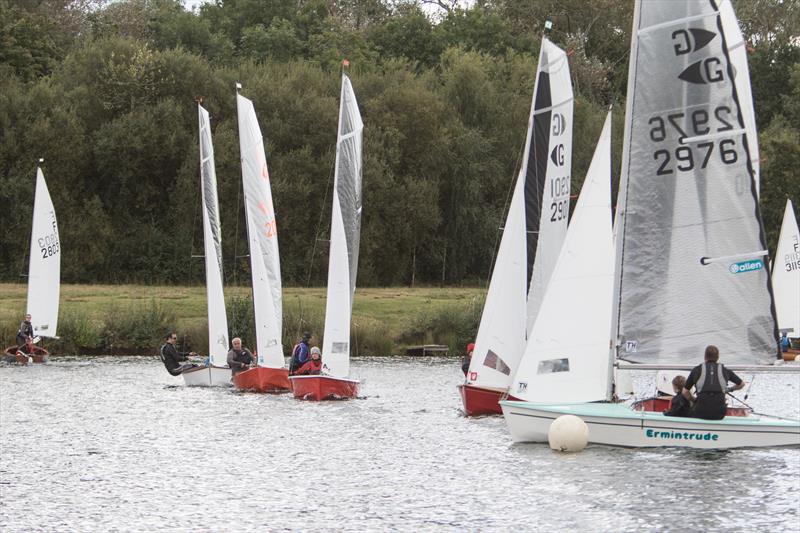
(208, 376)
(619, 425)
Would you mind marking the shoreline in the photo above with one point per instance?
(119, 320)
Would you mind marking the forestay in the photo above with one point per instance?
(786, 274)
(566, 358)
(535, 227)
(345, 233)
(262, 233)
(44, 270)
(691, 262)
(217, 318)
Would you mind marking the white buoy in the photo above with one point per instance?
(568, 433)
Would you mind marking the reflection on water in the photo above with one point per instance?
(118, 444)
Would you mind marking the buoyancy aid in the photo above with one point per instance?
(712, 378)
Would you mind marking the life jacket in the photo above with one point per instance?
(712, 378)
(294, 362)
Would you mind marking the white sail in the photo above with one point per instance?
(566, 358)
(44, 270)
(345, 234)
(262, 232)
(786, 274)
(212, 239)
(534, 229)
(690, 263)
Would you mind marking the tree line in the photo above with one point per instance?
(105, 92)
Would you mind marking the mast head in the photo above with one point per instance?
(548, 25)
(199, 100)
(238, 87)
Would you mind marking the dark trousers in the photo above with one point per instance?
(710, 406)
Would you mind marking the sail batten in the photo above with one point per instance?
(262, 235)
(689, 192)
(212, 242)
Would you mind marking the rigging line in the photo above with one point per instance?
(511, 186)
(319, 223)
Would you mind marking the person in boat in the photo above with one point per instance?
(314, 364)
(25, 331)
(679, 405)
(468, 359)
(710, 381)
(786, 344)
(300, 353)
(176, 362)
(239, 359)
(28, 348)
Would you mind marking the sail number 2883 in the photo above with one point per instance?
(696, 154)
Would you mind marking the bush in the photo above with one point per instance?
(453, 325)
(138, 326)
(76, 331)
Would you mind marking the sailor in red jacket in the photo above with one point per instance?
(313, 366)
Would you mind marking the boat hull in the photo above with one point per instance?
(40, 355)
(479, 401)
(319, 388)
(620, 425)
(207, 376)
(263, 379)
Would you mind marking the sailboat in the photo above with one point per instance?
(217, 372)
(786, 278)
(557, 361)
(690, 257)
(533, 234)
(334, 382)
(44, 271)
(270, 374)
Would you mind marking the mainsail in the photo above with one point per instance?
(262, 233)
(212, 239)
(345, 234)
(44, 270)
(786, 274)
(534, 229)
(566, 358)
(690, 260)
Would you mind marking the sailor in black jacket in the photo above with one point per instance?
(174, 360)
(710, 381)
(25, 331)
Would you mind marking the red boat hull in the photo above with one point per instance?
(40, 355)
(478, 401)
(262, 379)
(318, 388)
(662, 403)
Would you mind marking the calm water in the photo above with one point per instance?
(118, 444)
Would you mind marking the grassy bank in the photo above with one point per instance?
(132, 318)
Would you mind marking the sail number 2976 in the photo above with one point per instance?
(696, 154)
